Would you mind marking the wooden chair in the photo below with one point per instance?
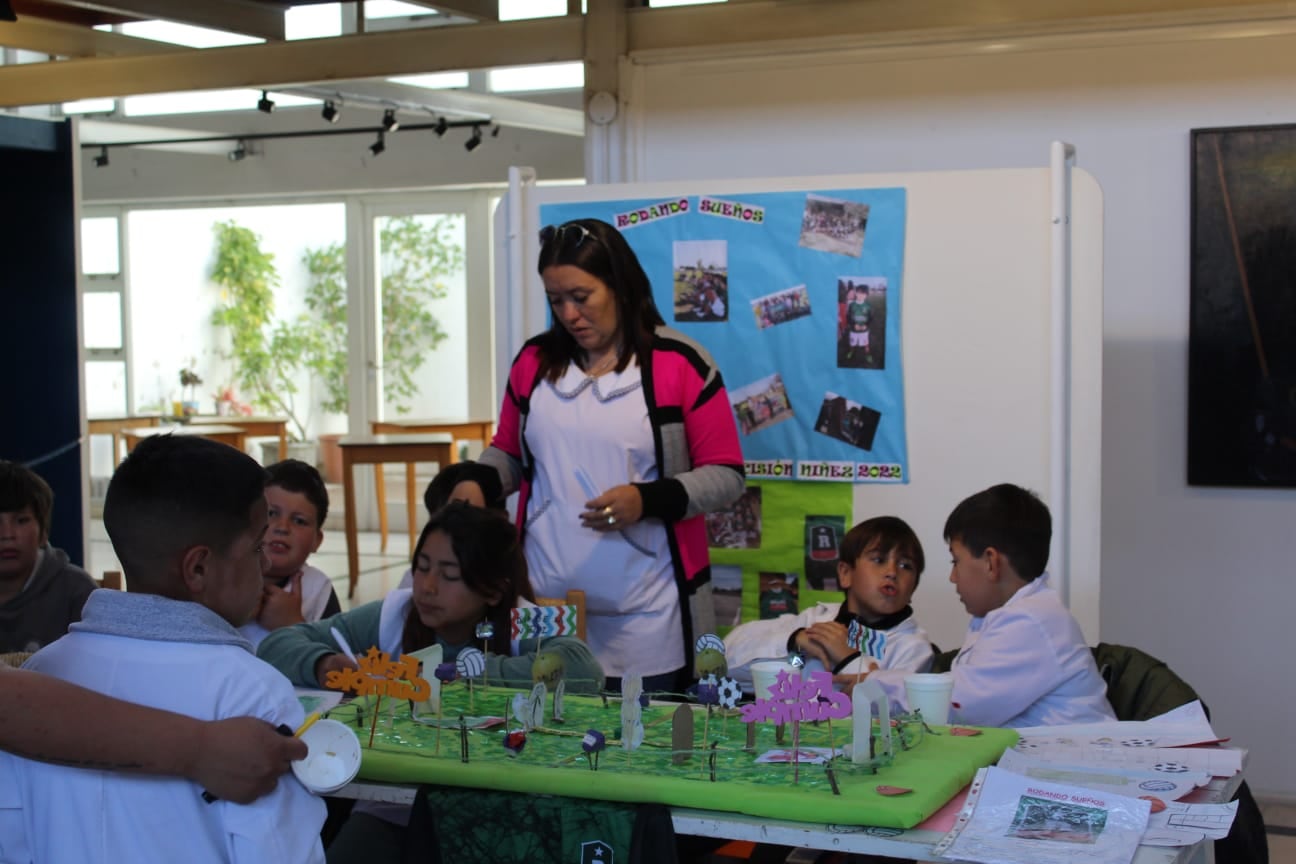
(574, 598)
(111, 579)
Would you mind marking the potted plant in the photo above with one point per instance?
(189, 381)
(267, 353)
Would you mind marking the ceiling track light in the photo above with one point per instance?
(380, 145)
(389, 121)
(102, 159)
(330, 111)
(475, 141)
(495, 132)
(265, 104)
(441, 127)
(239, 153)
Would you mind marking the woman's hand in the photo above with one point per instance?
(617, 508)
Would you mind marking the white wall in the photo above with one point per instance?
(1201, 578)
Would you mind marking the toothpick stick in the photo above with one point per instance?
(796, 751)
(373, 726)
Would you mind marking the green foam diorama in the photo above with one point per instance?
(928, 772)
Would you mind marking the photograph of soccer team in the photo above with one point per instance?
(701, 280)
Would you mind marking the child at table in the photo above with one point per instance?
(1024, 661)
(187, 519)
(468, 568)
(292, 590)
(41, 592)
(467, 481)
(878, 568)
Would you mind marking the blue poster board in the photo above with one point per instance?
(797, 297)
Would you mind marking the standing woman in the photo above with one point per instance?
(618, 434)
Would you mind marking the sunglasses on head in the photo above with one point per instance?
(561, 234)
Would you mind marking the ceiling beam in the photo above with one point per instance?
(770, 22)
(477, 10)
(50, 10)
(69, 40)
(514, 113)
(235, 16)
(285, 64)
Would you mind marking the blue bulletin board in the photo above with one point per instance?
(797, 295)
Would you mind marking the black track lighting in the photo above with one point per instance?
(330, 111)
(475, 141)
(495, 131)
(238, 154)
(441, 127)
(265, 104)
(378, 146)
(102, 159)
(389, 121)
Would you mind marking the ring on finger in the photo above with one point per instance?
(607, 511)
(611, 519)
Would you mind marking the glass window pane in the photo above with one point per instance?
(550, 76)
(105, 388)
(102, 319)
(100, 250)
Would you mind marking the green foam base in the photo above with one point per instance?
(553, 762)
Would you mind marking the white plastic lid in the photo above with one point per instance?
(333, 760)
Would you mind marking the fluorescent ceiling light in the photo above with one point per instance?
(393, 9)
(89, 106)
(313, 22)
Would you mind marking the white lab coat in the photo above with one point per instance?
(907, 647)
(59, 813)
(1024, 664)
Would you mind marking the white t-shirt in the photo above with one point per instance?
(588, 435)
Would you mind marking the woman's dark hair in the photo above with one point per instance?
(600, 250)
(883, 534)
(490, 562)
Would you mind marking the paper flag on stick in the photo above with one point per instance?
(540, 622)
(865, 639)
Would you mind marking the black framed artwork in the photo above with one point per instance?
(1242, 327)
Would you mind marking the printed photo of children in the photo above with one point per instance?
(701, 280)
(778, 594)
(861, 322)
(726, 592)
(781, 307)
(738, 526)
(833, 225)
(847, 421)
(823, 536)
(761, 404)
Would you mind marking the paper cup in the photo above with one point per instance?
(764, 675)
(333, 760)
(930, 694)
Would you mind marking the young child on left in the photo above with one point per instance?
(41, 591)
(878, 567)
(468, 568)
(187, 520)
(293, 591)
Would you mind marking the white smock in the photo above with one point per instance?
(587, 435)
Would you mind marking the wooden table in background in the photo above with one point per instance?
(115, 426)
(231, 435)
(377, 450)
(255, 426)
(462, 430)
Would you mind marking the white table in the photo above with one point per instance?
(914, 844)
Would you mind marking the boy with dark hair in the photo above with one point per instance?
(187, 519)
(1024, 661)
(293, 591)
(878, 568)
(41, 592)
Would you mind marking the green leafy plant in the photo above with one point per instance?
(266, 353)
(417, 257)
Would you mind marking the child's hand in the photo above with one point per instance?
(830, 637)
(330, 663)
(281, 607)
